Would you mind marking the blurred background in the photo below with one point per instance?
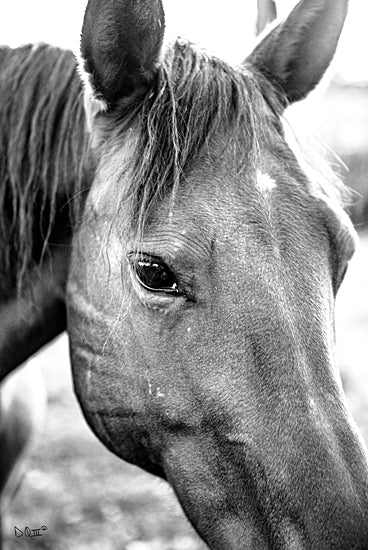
(87, 498)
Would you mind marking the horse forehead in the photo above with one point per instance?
(258, 221)
(228, 205)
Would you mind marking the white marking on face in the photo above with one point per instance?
(265, 182)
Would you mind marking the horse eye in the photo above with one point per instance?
(153, 274)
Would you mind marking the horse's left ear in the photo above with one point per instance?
(297, 52)
(120, 47)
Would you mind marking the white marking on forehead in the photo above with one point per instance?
(265, 182)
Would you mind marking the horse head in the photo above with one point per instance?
(201, 292)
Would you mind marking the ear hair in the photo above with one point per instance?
(92, 104)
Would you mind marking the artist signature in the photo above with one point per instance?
(30, 533)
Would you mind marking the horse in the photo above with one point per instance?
(43, 152)
(43, 148)
(199, 269)
(41, 171)
(201, 287)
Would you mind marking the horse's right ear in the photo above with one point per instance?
(120, 47)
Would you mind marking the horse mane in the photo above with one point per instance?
(196, 99)
(43, 148)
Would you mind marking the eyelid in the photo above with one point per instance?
(141, 256)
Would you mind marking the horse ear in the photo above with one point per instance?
(267, 12)
(121, 43)
(297, 52)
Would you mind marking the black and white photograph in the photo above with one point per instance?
(183, 275)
